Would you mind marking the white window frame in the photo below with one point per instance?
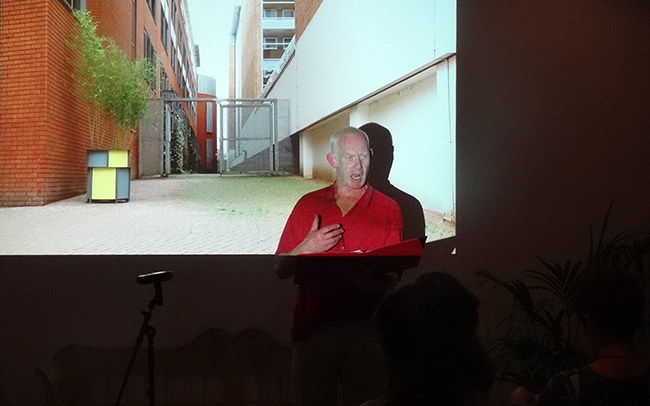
(275, 13)
(270, 45)
(293, 13)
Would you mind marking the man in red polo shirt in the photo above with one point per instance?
(332, 331)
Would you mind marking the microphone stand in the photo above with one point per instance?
(148, 331)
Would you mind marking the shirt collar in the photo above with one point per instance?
(364, 200)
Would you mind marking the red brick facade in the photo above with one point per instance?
(201, 131)
(43, 125)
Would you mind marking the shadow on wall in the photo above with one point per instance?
(381, 143)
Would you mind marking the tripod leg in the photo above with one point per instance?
(138, 343)
(145, 329)
(150, 332)
(152, 389)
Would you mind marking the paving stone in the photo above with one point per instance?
(181, 214)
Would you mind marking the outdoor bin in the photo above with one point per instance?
(109, 176)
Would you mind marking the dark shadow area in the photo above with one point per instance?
(381, 143)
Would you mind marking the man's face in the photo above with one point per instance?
(352, 161)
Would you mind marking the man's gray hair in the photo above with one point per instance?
(334, 139)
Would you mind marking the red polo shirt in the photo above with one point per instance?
(374, 222)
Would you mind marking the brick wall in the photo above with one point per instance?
(43, 125)
(305, 10)
(251, 32)
(22, 119)
(40, 159)
(114, 20)
(66, 139)
(44, 132)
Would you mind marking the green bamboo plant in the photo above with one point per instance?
(542, 333)
(112, 86)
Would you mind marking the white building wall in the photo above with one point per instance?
(351, 57)
(352, 48)
(286, 89)
(418, 117)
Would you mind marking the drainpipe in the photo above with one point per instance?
(134, 20)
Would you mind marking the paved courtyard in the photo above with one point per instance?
(181, 214)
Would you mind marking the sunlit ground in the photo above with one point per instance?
(182, 214)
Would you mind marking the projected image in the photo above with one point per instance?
(208, 175)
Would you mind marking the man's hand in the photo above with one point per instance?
(319, 239)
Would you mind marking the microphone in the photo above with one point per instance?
(155, 277)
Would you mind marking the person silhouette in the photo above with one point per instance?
(427, 330)
(610, 305)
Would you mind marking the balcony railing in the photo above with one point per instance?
(277, 68)
(279, 23)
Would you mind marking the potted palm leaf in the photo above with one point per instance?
(542, 334)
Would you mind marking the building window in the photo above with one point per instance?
(173, 56)
(151, 58)
(286, 41)
(164, 80)
(75, 4)
(209, 120)
(197, 56)
(164, 33)
(288, 13)
(152, 8)
(270, 43)
(270, 13)
(174, 13)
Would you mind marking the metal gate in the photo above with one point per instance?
(248, 134)
(152, 140)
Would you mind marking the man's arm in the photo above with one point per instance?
(316, 240)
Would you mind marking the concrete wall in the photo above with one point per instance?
(420, 114)
(315, 145)
(334, 41)
(552, 124)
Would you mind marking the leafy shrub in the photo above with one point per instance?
(110, 84)
(543, 334)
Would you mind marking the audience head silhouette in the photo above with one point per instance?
(428, 332)
(610, 304)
